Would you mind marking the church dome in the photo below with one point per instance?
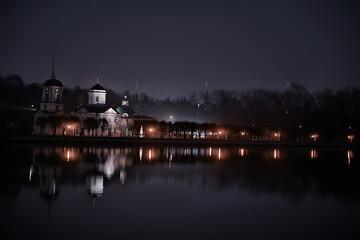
(53, 82)
(97, 87)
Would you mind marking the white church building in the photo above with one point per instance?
(112, 121)
(97, 109)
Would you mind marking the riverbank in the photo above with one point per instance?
(105, 141)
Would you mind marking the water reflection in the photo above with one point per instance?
(179, 184)
(350, 155)
(276, 154)
(244, 168)
(313, 154)
(95, 185)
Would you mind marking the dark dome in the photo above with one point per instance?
(53, 82)
(97, 87)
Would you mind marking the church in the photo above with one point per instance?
(93, 119)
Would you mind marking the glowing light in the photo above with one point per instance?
(243, 133)
(276, 154)
(314, 136)
(350, 138)
(150, 129)
(313, 154)
(68, 155)
(219, 155)
(150, 154)
(69, 126)
(220, 132)
(171, 117)
(300, 126)
(140, 153)
(210, 152)
(31, 172)
(350, 155)
(241, 152)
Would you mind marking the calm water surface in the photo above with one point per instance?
(179, 193)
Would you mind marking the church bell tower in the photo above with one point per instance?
(52, 93)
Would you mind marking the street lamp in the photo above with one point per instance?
(151, 130)
(277, 136)
(350, 138)
(314, 136)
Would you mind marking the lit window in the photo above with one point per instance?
(56, 95)
(47, 95)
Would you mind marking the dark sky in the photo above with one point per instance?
(171, 48)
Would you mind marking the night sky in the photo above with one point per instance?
(171, 48)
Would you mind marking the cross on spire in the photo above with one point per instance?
(53, 66)
(97, 80)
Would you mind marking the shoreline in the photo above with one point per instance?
(123, 141)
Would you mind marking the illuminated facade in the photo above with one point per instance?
(97, 109)
(51, 103)
(111, 121)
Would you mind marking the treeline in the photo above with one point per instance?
(289, 109)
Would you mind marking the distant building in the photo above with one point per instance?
(97, 109)
(51, 103)
(112, 121)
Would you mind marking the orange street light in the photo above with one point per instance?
(350, 138)
(314, 136)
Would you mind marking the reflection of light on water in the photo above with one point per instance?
(170, 156)
(313, 154)
(140, 153)
(122, 176)
(241, 152)
(276, 154)
(350, 154)
(109, 168)
(219, 154)
(150, 154)
(31, 172)
(96, 185)
(210, 152)
(68, 155)
(53, 187)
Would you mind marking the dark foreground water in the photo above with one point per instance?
(179, 193)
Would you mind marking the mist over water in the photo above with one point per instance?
(179, 192)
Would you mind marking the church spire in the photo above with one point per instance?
(53, 66)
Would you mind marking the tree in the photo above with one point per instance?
(55, 122)
(163, 128)
(204, 128)
(91, 124)
(192, 127)
(104, 124)
(41, 122)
